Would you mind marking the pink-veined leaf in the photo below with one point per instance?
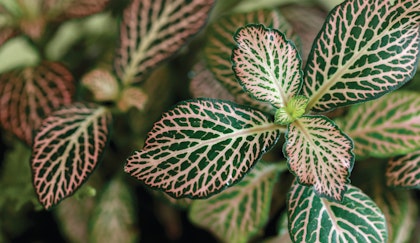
(218, 49)
(65, 9)
(28, 95)
(202, 146)
(102, 84)
(365, 50)
(67, 148)
(386, 127)
(320, 155)
(152, 31)
(266, 64)
(404, 171)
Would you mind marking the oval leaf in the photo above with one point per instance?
(218, 49)
(315, 219)
(66, 150)
(266, 64)
(152, 31)
(28, 95)
(386, 127)
(365, 49)
(319, 154)
(102, 84)
(201, 147)
(239, 212)
(404, 171)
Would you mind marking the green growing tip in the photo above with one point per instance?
(293, 110)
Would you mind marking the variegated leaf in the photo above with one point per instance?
(28, 95)
(239, 212)
(266, 64)
(152, 31)
(65, 9)
(114, 217)
(202, 146)
(315, 219)
(319, 154)
(102, 84)
(66, 150)
(365, 49)
(132, 97)
(404, 171)
(218, 49)
(387, 127)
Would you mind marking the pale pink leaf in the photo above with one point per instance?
(404, 171)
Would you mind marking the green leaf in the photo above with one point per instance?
(218, 49)
(316, 219)
(404, 171)
(202, 146)
(28, 95)
(387, 127)
(293, 110)
(266, 64)
(152, 31)
(319, 154)
(114, 217)
(240, 212)
(66, 150)
(365, 50)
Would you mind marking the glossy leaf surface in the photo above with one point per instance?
(319, 154)
(387, 127)
(314, 219)
(404, 171)
(266, 64)
(241, 211)
(201, 147)
(366, 49)
(28, 95)
(218, 49)
(152, 31)
(66, 150)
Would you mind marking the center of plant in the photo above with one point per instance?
(293, 110)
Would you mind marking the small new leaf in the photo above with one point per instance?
(202, 146)
(102, 84)
(293, 110)
(67, 148)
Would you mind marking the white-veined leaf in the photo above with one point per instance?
(315, 219)
(386, 127)
(218, 49)
(365, 49)
(114, 217)
(266, 64)
(67, 148)
(319, 154)
(152, 31)
(404, 171)
(201, 147)
(241, 211)
(28, 95)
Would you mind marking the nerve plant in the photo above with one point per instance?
(365, 50)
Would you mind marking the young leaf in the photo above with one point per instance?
(132, 97)
(114, 218)
(218, 49)
(66, 150)
(152, 31)
(315, 219)
(202, 146)
(239, 212)
(102, 84)
(365, 50)
(404, 171)
(266, 64)
(28, 95)
(319, 154)
(386, 127)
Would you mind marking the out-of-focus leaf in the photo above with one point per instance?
(404, 171)
(132, 97)
(102, 84)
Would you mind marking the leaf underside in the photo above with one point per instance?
(66, 150)
(365, 49)
(314, 219)
(404, 171)
(152, 31)
(239, 212)
(266, 64)
(28, 95)
(319, 154)
(387, 127)
(202, 146)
